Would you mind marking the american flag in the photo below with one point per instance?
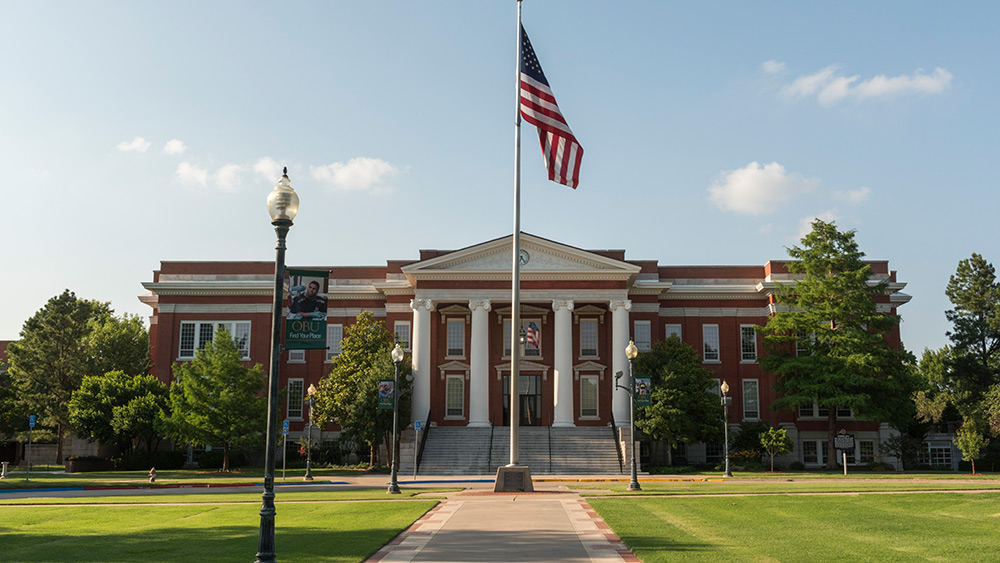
(531, 336)
(560, 148)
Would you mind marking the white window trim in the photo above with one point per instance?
(817, 416)
(506, 351)
(296, 356)
(667, 331)
(597, 339)
(409, 333)
(744, 398)
(447, 351)
(447, 387)
(230, 326)
(288, 398)
(647, 345)
(333, 351)
(743, 358)
(597, 397)
(718, 345)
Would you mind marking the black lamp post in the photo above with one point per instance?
(726, 399)
(631, 352)
(282, 205)
(311, 401)
(397, 358)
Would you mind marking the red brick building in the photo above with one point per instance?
(452, 311)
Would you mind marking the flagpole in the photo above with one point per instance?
(515, 309)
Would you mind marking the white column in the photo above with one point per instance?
(479, 389)
(563, 379)
(619, 363)
(421, 355)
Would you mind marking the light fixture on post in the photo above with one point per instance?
(631, 352)
(282, 206)
(397, 358)
(311, 401)
(726, 399)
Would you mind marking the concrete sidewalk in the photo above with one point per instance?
(552, 524)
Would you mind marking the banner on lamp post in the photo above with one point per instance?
(643, 390)
(305, 323)
(385, 393)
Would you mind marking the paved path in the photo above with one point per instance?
(477, 525)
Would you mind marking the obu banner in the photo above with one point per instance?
(643, 391)
(305, 325)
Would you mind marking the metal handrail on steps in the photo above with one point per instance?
(423, 441)
(489, 452)
(615, 441)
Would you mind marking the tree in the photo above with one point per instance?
(349, 394)
(50, 359)
(216, 400)
(116, 408)
(776, 442)
(827, 342)
(683, 410)
(971, 442)
(117, 344)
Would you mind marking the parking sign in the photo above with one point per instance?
(284, 427)
(31, 421)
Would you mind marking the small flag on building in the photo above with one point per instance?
(531, 336)
(560, 149)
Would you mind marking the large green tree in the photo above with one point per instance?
(682, 411)
(117, 344)
(349, 395)
(51, 358)
(827, 342)
(121, 409)
(216, 400)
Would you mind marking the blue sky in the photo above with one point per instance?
(137, 132)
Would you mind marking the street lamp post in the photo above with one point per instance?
(397, 358)
(726, 399)
(311, 401)
(282, 205)
(631, 352)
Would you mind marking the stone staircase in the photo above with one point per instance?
(459, 450)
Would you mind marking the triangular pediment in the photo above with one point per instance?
(546, 259)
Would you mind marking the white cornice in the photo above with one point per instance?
(218, 287)
(215, 308)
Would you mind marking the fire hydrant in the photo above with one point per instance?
(152, 475)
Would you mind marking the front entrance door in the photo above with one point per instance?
(529, 400)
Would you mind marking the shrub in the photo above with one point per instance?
(212, 459)
(144, 460)
(796, 466)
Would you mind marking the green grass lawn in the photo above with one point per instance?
(781, 487)
(141, 497)
(867, 528)
(315, 532)
(39, 479)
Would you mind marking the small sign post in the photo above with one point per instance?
(31, 428)
(284, 447)
(416, 446)
(843, 442)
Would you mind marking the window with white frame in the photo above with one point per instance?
(713, 453)
(748, 343)
(810, 452)
(402, 331)
(196, 334)
(293, 403)
(802, 342)
(642, 336)
(938, 456)
(807, 411)
(845, 412)
(296, 356)
(588, 338)
(588, 396)
(455, 396)
(866, 451)
(714, 388)
(672, 329)
(710, 342)
(532, 338)
(456, 338)
(751, 401)
(334, 335)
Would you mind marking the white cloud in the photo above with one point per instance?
(137, 144)
(829, 87)
(756, 189)
(805, 224)
(174, 146)
(191, 175)
(228, 179)
(854, 197)
(268, 168)
(359, 173)
(773, 67)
